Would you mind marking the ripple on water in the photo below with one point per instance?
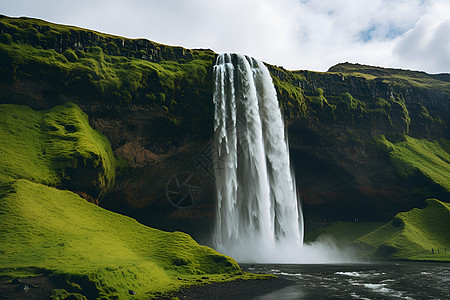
(382, 288)
(361, 274)
(356, 296)
(288, 274)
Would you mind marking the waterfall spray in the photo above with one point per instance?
(258, 217)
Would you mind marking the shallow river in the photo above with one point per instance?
(395, 280)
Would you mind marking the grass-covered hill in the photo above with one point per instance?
(418, 234)
(94, 252)
(47, 229)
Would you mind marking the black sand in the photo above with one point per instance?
(239, 289)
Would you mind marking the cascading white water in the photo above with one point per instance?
(258, 217)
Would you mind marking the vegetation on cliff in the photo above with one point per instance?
(82, 63)
(425, 164)
(55, 147)
(398, 77)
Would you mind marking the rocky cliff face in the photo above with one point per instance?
(45, 35)
(160, 120)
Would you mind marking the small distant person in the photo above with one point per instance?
(432, 251)
(438, 250)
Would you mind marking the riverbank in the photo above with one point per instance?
(238, 289)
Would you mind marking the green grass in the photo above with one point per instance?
(343, 233)
(394, 76)
(88, 250)
(422, 159)
(55, 147)
(46, 230)
(412, 235)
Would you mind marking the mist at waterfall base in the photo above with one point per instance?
(258, 217)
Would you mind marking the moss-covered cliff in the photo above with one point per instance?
(154, 103)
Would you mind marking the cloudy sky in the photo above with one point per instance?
(297, 34)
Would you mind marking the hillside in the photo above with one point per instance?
(154, 104)
(46, 229)
(421, 234)
(94, 252)
(56, 147)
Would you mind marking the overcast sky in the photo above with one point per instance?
(296, 34)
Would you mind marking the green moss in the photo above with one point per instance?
(290, 95)
(56, 147)
(59, 234)
(428, 161)
(412, 235)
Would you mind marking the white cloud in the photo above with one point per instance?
(307, 34)
(427, 45)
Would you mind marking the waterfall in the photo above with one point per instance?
(258, 217)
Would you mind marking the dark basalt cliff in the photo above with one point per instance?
(154, 103)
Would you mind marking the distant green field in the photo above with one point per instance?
(344, 233)
(410, 235)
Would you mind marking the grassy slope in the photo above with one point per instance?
(55, 232)
(427, 160)
(411, 235)
(42, 227)
(343, 233)
(49, 146)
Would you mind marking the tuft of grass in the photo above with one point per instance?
(412, 235)
(99, 253)
(55, 147)
(419, 158)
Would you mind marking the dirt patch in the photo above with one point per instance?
(33, 288)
